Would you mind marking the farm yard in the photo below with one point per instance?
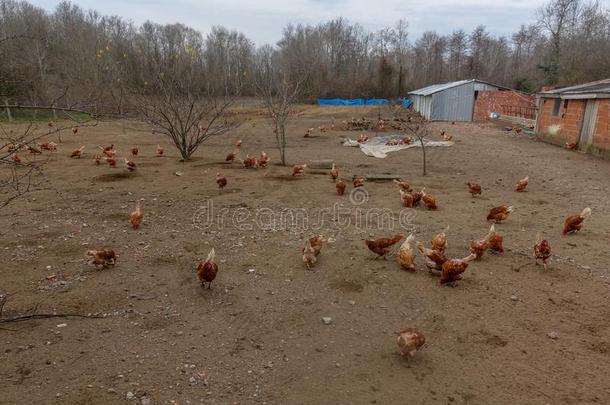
(271, 331)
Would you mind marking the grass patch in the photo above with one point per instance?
(24, 115)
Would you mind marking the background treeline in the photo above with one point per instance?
(70, 55)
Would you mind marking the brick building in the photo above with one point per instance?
(578, 114)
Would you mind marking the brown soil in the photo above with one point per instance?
(257, 336)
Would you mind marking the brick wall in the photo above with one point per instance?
(492, 101)
(566, 126)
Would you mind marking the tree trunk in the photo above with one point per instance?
(283, 144)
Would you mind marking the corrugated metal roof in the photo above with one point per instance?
(601, 86)
(435, 88)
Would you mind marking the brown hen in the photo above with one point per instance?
(382, 246)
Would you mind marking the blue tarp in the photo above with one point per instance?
(341, 101)
(359, 101)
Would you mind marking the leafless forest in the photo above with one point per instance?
(74, 56)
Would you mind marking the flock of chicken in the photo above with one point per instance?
(108, 153)
(450, 270)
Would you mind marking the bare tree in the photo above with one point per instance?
(421, 133)
(177, 97)
(279, 90)
(416, 126)
(188, 117)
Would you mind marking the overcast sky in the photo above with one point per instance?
(263, 20)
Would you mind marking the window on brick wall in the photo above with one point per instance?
(556, 107)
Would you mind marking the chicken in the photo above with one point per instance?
(77, 153)
(316, 243)
(573, 223)
(221, 181)
(298, 169)
(474, 188)
(363, 138)
(447, 138)
(250, 162)
(13, 147)
(108, 152)
(382, 246)
(571, 145)
(309, 256)
(233, 155)
(207, 270)
(479, 246)
(308, 133)
(417, 196)
(334, 173)
(409, 341)
(340, 185)
(406, 255)
(102, 257)
(136, 216)
(129, 165)
(160, 151)
(134, 151)
(429, 201)
(499, 214)
(406, 140)
(407, 198)
(403, 185)
(107, 148)
(522, 184)
(74, 130)
(439, 241)
(312, 249)
(434, 259)
(50, 146)
(495, 243)
(111, 162)
(264, 160)
(453, 268)
(358, 181)
(542, 250)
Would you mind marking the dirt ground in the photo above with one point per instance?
(510, 332)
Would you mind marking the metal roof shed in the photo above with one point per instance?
(453, 101)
